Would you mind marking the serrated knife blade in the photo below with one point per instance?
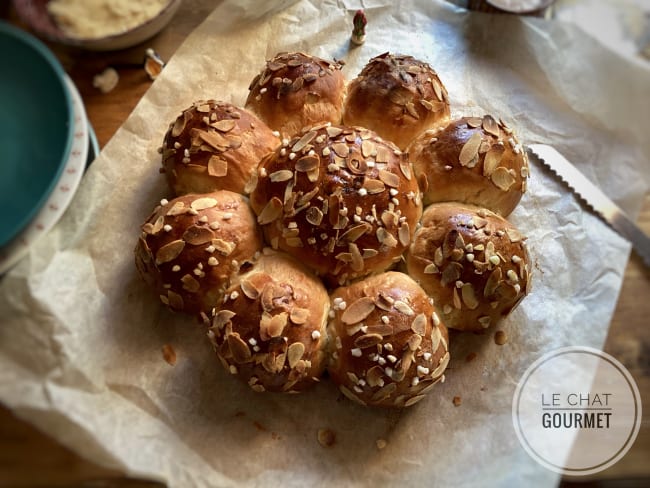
(592, 196)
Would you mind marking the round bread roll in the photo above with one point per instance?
(388, 345)
(472, 160)
(340, 199)
(398, 97)
(214, 146)
(270, 330)
(472, 262)
(191, 246)
(296, 90)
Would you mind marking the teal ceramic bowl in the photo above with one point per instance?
(36, 128)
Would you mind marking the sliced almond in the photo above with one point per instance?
(490, 125)
(385, 238)
(295, 353)
(238, 348)
(314, 216)
(169, 251)
(214, 139)
(492, 159)
(271, 212)
(353, 233)
(190, 283)
(403, 307)
(419, 324)
(404, 234)
(368, 340)
(222, 318)
(358, 310)
(391, 179)
(307, 163)
(299, 316)
(470, 150)
(469, 296)
(281, 175)
(249, 289)
(175, 300)
(341, 149)
(197, 235)
(178, 208)
(381, 329)
(502, 178)
(303, 141)
(405, 168)
(373, 186)
(224, 125)
(492, 283)
(368, 148)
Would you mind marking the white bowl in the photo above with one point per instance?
(36, 15)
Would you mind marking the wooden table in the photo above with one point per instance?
(31, 458)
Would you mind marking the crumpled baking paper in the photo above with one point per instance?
(81, 335)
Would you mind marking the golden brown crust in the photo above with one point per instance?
(270, 330)
(473, 160)
(472, 262)
(398, 97)
(213, 146)
(296, 90)
(340, 199)
(388, 345)
(191, 246)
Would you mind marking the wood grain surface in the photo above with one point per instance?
(31, 458)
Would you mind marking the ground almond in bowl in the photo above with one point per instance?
(100, 18)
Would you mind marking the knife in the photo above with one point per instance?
(593, 197)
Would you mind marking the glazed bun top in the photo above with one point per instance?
(214, 145)
(398, 97)
(340, 199)
(388, 344)
(191, 246)
(270, 329)
(473, 160)
(472, 262)
(296, 90)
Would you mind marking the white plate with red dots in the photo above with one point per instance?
(61, 195)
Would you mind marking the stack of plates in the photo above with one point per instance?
(45, 143)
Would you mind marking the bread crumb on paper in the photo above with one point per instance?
(169, 354)
(457, 401)
(326, 437)
(500, 338)
(381, 443)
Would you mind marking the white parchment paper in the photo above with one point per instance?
(81, 335)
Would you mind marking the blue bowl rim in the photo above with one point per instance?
(50, 59)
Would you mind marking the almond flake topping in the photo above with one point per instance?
(270, 212)
(177, 209)
(249, 289)
(358, 311)
(307, 163)
(419, 324)
(197, 235)
(190, 284)
(299, 316)
(368, 340)
(169, 251)
(403, 307)
(490, 125)
(303, 141)
(502, 178)
(222, 318)
(470, 150)
(390, 179)
(281, 175)
(225, 125)
(492, 159)
(469, 297)
(294, 353)
(239, 349)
